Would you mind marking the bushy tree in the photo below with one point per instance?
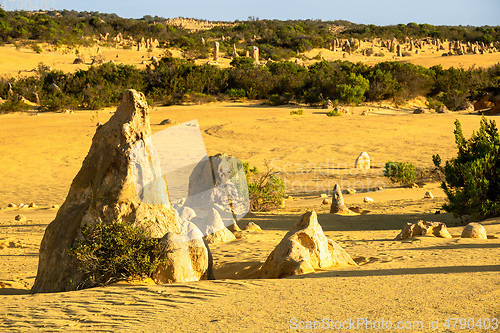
(472, 179)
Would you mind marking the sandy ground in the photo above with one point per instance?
(421, 279)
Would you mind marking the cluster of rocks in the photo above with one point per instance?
(438, 229)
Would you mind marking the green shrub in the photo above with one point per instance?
(298, 112)
(265, 190)
(433, 103)
(13, 104)
(472, 179)
(115, 251)
(236, 93)
(333, 113)
(275, 100)
(400, 172)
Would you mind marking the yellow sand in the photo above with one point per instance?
(420, 279)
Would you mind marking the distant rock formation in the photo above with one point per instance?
(362, 161)
(304, 249)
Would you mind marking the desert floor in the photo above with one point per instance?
(420, 279)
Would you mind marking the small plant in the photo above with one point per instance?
(115, 251)
(236, 93)
(434, 104)
(400, 172)
(36, 48)
(298, 112)
(472, 179)
(333, 113)
(266, 190)
(13, 104)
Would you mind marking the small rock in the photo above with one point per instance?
(166, 121)
(21, 205)
(252, 227)
(419, 111)
(20, 218)
(474, 230)
(99, 124)
(327, 201)
(350, 191)
(55, 206)
(415, 185)
(428, 195)
(282, 203)
(356, 209)
(338, 206)
(363, 161)
(288, 197)
(32, 205)
(12, 205)
(367, 200)
(323, 195)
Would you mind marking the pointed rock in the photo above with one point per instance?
(304, 249)
(105, 190)
(338, 206)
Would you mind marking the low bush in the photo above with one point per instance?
(333, 113)
(266, 190)
(400, 172)
(115, 251)
(298, 112)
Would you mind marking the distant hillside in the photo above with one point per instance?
(84, 28)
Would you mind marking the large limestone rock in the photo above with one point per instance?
(363, 161)
(338, 206)
(187, 257)
(107, 189)
(219, 182)
(474, 230)
(304, 249)
(423, 228)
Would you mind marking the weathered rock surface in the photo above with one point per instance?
(338, 206)
(187, 257)
(104, 190)
(213, 228)
(363, 161)
(253, 227)
(20, 218)
(304, 249)
(423, 228)
(217, 182)
(474, 230)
